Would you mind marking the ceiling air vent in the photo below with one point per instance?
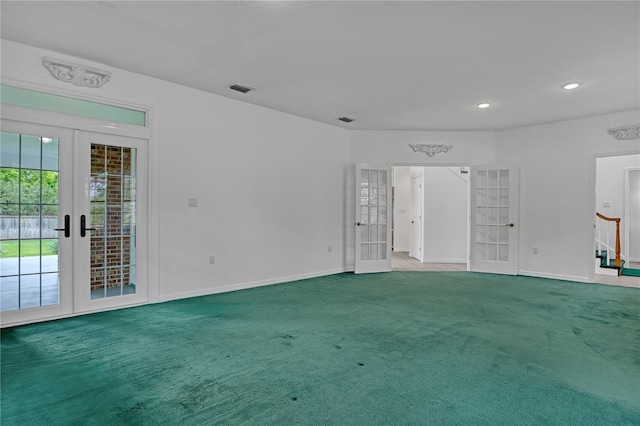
(346, 119)
(241, 89)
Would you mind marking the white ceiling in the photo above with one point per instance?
(391, 65)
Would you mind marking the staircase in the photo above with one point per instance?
(609, 260)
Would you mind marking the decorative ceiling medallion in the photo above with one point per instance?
(79, 75)
(430, 149)
(627, 133)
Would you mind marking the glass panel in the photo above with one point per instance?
(481, 179)
(29, 291)
(374, 178)
(30, 152)
(30, 186)
(56, 103)
(373, 233)
(481, 197)
(49, 293)
(364, 177)
(49, 187)
(373, 252)
(128, 162)
(382, 215)
(492, 252)
(364, 215)
(49, 222)
(382, 196)
(482, 234)
(382, 251)
(504, 178)
(98, 159)
(503, 233)
(481, 215)
(504, 197)
(493, 234)
(29, 256)
(9, 149)
(492, 216)
(481, 251)
(364, 251)
(364, 234)
(9, 257)
(373, 215)
(9, 288)
(364, 196)
(503, 253)
(97, 282)
(492, 178)
(382, 178)
(382, 232)
(50, 255)
(373, 196)
(50, 154)
(493, 197)
(504, 215)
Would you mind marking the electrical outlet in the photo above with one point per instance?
(535, 250)
(212, 260)
(329, 249)
(192, 202)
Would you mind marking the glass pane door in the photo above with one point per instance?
(373, 230)
(31, 221)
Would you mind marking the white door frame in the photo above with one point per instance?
(627, 211)
(416, 235)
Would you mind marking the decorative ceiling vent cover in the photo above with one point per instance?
(77, 74)
(239, 88)
(627, 133)
(346, 119)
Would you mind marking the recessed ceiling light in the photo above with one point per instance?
(571, 86)
(346, 119)
(483, 105)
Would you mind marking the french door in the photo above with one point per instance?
(494, 212)
(373, 218)
(71, 240)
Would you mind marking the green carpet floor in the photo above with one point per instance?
(418, 348)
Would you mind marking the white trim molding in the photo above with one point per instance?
(77, 74)
(430, 149)
(626, 133)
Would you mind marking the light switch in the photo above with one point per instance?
(192, 202)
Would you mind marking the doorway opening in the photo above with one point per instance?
(617, 207)
(430, 223)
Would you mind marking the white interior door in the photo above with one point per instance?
(373, 218)
(71, 239)
(493, 232)
(415, 214)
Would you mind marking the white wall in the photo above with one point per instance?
(401, 208)
(271, 186)
(557, 186)
(446, 213)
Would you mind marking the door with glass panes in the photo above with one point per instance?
(70, 237)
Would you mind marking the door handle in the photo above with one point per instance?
(361, 224)
(83, 226)
(510, 225)
(67, 226)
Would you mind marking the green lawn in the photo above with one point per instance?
(28, 248)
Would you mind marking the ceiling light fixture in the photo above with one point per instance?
(571, 86)
(483, 105)
(239, 88)
(346, 119)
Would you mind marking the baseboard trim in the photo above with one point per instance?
(555, 276)
(401, 250)
(447, 260)
(247, 285)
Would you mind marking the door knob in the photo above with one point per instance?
(510, 225)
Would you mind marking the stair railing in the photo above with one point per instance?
(617, 221)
